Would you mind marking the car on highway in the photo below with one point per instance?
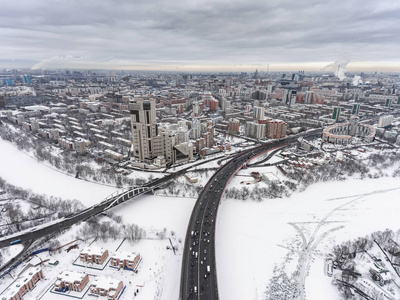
(329, 268)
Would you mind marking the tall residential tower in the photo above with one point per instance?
(146, 143)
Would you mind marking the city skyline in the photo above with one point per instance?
(200, 36)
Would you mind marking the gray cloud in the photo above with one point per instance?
(107, 32)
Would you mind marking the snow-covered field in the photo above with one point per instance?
(156, 277)
(21, 170)
(252, 238)
(8, 253)
(160, 269)
(158, 212)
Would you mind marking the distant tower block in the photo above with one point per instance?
(388, 103)
(336, 113)
(356, 109)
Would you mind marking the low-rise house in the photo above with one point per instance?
(111, 288)
(71, 281)
(126, 260)
(94, 254)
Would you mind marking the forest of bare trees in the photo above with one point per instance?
(43, 208)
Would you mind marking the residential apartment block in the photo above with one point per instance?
(93, 254)
(71, 281)
(111, 288)
(25, 282)
(124, 259)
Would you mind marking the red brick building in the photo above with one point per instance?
(123, 259)
(93, 254)
(71, 281)
(276, 129)
(111, 288)
(25, 282)
(233, 125)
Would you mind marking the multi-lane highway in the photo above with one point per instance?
(198, 274)
(198, 278)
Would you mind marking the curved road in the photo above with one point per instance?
(198, 278)
(198, 274)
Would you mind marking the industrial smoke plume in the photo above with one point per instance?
(339, 67)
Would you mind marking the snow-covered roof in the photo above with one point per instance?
(36, 107)
(71, 276)
(22, 279)
(124, 255)
(93, 250)
(106, 283)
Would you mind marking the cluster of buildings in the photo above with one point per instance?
(78, 132)
(78, 281)
(118, 259)
(157, 120)
(155, 145)
(342, 133)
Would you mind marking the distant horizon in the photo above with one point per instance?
(324, 67)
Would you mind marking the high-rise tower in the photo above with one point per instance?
(146, 143)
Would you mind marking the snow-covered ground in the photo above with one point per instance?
(160, 269)
(21, 170)
(156, 277)
(157, 212)
(8, 253)
(252, 238)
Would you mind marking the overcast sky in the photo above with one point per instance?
(200, 35)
